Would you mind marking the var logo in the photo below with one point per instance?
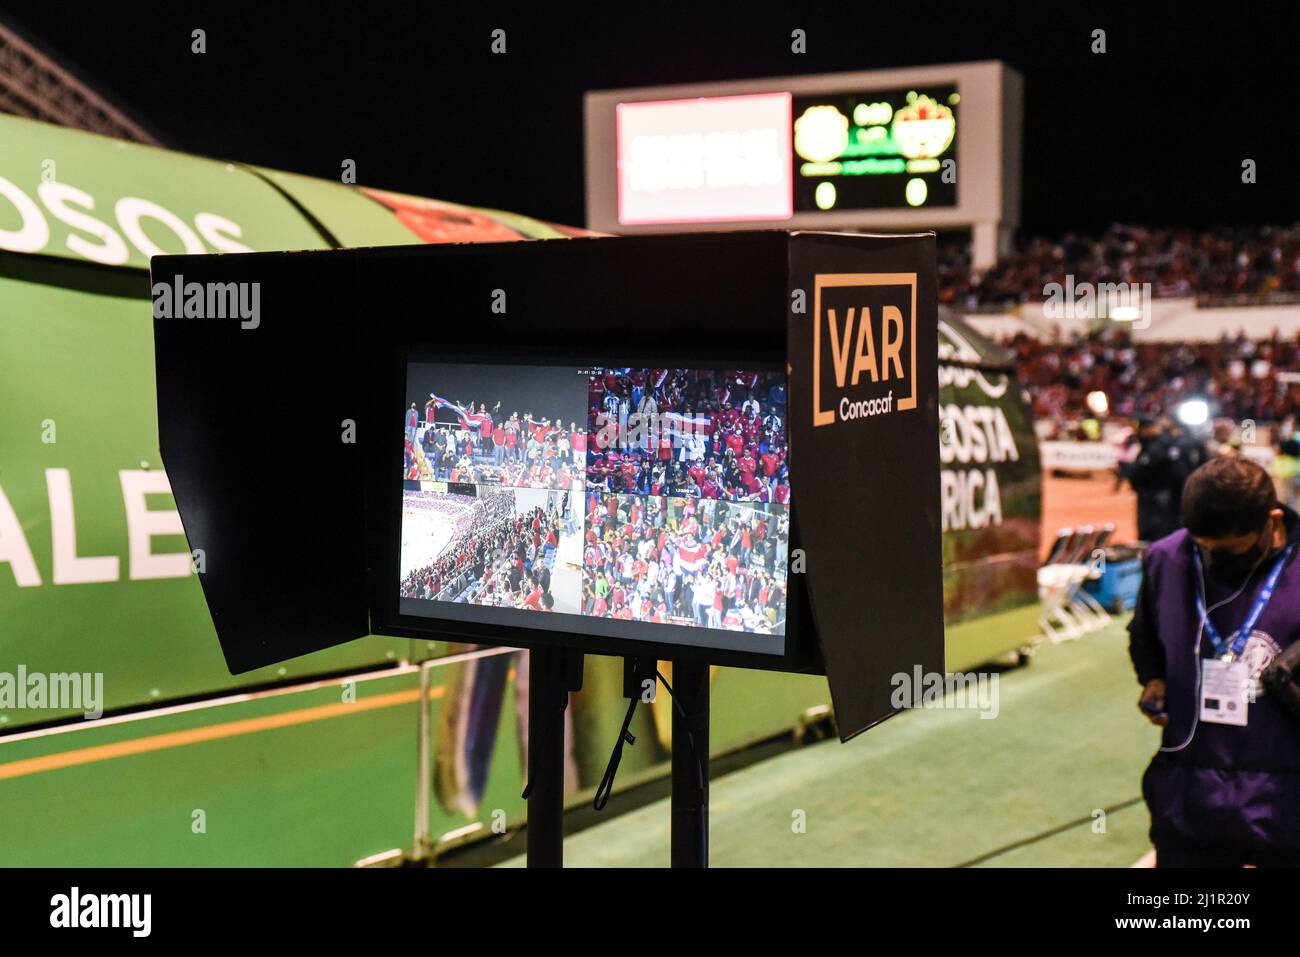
(864, 345)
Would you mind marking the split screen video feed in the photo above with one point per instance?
(657, 496)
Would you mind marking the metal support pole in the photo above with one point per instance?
(549, 683)
(690, 801)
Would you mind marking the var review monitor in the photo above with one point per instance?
(634, 503)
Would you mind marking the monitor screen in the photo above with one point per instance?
(634, 503)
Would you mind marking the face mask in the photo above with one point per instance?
(1229, 569)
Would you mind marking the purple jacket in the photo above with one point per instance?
(1230, 785)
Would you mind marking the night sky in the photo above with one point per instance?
(1152, 132)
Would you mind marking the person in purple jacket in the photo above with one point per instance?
(1220, 599)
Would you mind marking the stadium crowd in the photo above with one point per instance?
(688, 561)
(517, 451)
(495, 557)
(702, 433)
(1176, 262)
(1242, 378)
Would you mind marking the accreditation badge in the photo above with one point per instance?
(1226, 690)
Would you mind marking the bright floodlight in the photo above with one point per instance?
(1125, 313)
(1194, 412)
(1098, 403)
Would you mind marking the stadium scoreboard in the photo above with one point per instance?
(935, 147)
(712, 447)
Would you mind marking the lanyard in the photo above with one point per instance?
(1261, 602)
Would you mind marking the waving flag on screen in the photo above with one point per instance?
(691, 556)
(677, 423)
(470, 420)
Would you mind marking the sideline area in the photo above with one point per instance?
(938, 788)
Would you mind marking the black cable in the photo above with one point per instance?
(532, 771)
(690, 738)
(624, 737)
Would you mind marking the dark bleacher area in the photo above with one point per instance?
(1227, 263)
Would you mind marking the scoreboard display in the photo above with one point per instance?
(914, 148)
(875, 150)
(766, 157)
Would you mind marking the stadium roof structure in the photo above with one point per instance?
(35, 85)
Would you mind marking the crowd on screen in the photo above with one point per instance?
(1240, 377)
(1255, 261)
(495, 557)
(702, 433)
(698, 562)
(483, 447)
